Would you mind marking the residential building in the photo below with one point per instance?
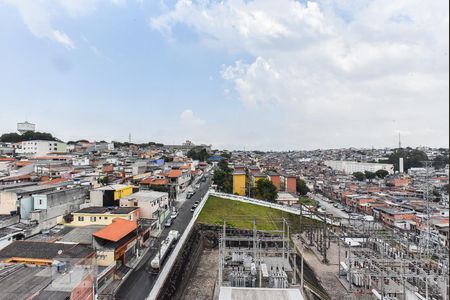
(116, 243)
(50, 207)
(152, 204)
(40, 147)
(275, 179)
(350, 167)
(98, 215)
(291, 183)
(239, 182)
(109, 195)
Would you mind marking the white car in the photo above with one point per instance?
(174, 214)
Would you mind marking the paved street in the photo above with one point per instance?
(139, 283)
(328, 206)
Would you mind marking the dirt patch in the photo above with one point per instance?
(202, 282)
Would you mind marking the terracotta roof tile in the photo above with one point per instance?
(174, 173)
(117, 230)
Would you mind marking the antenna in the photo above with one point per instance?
(399, 141)
(129, 138)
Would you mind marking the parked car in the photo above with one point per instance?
(193, 208)
(189, 195)
(169, 222)
(196, 203)
(174, 214)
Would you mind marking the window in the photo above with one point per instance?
(129, 217)
(93, 219)
(40, 201)
(106, 218)
(99, 218)
(81, 219)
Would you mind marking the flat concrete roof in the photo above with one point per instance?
(234, 293)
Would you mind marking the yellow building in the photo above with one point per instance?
(123, 192)
(239, 183)
(110, 194)
(96, 215)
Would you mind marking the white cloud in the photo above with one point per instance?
(63, 39)
(347, 67)
(188, 118)
(37, 15)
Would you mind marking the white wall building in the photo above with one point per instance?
(350, 167)
(39, 147)
(80, 161)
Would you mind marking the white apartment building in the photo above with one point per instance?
(349, 167)
(40, 147)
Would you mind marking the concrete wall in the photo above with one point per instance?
(40, 201)
(8, 203)
(96, 197)
(26, 206)
(105, 257)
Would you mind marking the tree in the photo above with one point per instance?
(223, 177)
(14, 137)
(265, 190)
(381, 173)
(440, 161)
(10, 138)
(223, 165)
(360, 176)
(411, 158)
(369, 175)
(198, 154)
(302, 188)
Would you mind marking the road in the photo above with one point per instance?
(328, 206)
(140, 281)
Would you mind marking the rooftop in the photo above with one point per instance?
(146, 195)
(117, 230)
(44, 250)
(105, 210)
(24, 281)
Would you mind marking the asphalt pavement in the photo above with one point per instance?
(328, 206)
(139, 283)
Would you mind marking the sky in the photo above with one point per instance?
(237, 74)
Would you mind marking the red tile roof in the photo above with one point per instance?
(55, 180)
(174, 173)
(7, 159)
(118, 229)
(154, 181)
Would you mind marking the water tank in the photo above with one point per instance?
(25, 126)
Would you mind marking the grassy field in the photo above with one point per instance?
(240, 215)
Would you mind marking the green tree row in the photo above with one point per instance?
(14, 137)
(360, 176)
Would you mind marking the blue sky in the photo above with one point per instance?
(234, 74)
